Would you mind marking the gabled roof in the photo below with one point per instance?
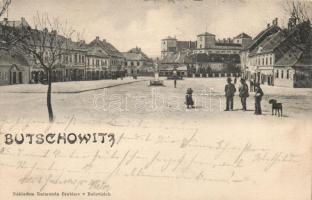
(106, 47)
(269, 43)
(242, 35)
(136, 54)
(262, 35)
(133, 56)
(305, 59)
(290, 58)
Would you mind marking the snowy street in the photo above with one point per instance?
(136, 101)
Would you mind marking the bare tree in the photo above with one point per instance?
(47, 43)
(301, 11)
(4, 6)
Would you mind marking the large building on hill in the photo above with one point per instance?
(171, 45)
(206, 55)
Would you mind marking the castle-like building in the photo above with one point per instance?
(205, 56)
(205, 43)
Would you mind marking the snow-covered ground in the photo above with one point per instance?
(139, 101)
(162, 150)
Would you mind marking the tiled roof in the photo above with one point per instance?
(8, 58)
(290, 58)
(133, 56)
(270, 43)
(262, 35)
(242, 35)
(305, 59)
(105, 46)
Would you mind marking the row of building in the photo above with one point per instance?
(276, 56)
(96, 60)
(280, 57)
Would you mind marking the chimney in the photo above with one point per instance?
(104, 40)
(97, 38)
(268, 25)
(275, 22)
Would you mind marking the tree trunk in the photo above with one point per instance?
(49, 105)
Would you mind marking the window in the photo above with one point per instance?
(97, 62)
(266, 61)
(287, 75)
(131, 63)
(271, 61)
(138, 63)
(83, 59)
(75, 58)
(282, 74)
(277, 74)
(1, 76)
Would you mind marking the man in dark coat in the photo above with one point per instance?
(243, 93)
(229, 94)
(258, 98)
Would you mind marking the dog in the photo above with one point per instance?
(276, 107)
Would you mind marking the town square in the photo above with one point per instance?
(155, 99)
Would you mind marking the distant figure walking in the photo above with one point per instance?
(243, 93)
(188, 98)
(175, 82)
(258, 98)
(251, 85)
(229, 94)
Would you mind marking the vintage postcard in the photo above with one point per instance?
(155, 99)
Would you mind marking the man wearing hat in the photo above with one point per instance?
(243, 93)
(229, 94)
(258, 98)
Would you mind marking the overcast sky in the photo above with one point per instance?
(143, 23)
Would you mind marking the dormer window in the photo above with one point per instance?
(259, 50)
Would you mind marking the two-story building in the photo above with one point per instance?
(137, 62)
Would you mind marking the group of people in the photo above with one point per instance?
(230, 91)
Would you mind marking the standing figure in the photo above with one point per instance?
(175, 82)
(251, 85)
(243, 93)
(229, 94)
(188, 98)
(258, 98)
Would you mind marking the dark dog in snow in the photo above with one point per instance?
(276, 107)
